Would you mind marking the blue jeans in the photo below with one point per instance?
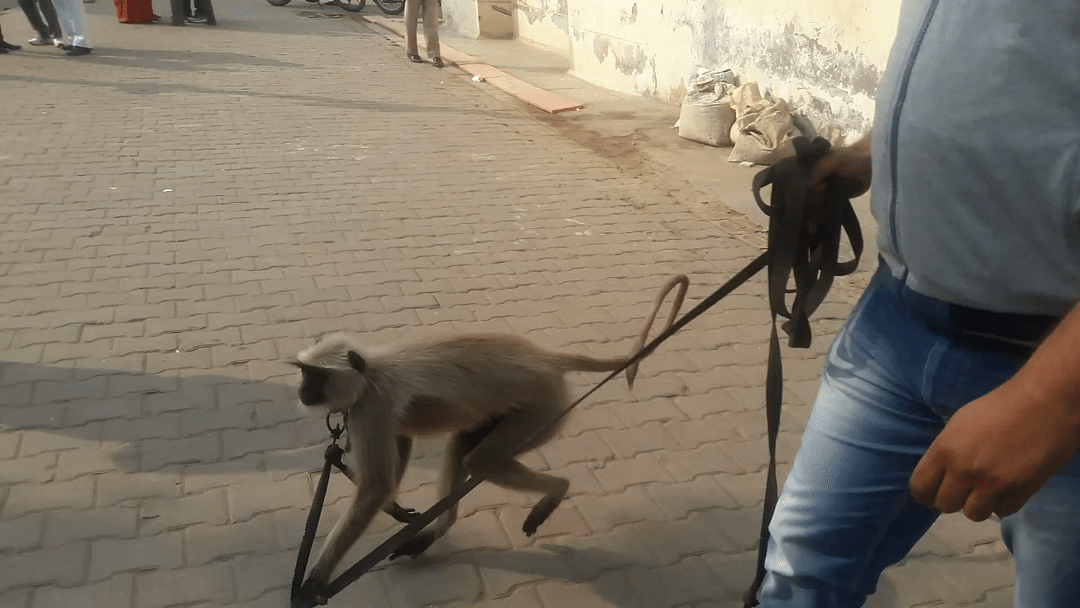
(894, 375)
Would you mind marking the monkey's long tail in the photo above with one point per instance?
(585, 363)
(683, 283)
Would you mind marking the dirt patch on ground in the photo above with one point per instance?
(630, 153)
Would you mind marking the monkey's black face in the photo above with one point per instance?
(325, 383)
(313, 386)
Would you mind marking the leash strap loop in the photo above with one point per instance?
(804, 244)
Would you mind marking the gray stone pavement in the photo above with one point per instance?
(184, 209)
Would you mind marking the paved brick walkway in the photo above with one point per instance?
(186, 208)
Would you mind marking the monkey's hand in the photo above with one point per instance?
(415, 545)
(400, 513)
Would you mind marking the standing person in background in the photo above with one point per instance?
(135, 11)
(42, 17)
(431, 30)
(7, 46)
(203, 13)
(73, 19)
(182, 11)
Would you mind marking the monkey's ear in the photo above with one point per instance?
(356, 361)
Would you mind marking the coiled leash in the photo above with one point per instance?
(803, 242)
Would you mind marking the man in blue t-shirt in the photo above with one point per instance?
(955, 383)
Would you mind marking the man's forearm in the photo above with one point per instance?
(1052, 374)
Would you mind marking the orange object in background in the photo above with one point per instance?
(135, 11)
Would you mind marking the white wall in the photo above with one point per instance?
(462, 16)
(825, 55)
(544, 23)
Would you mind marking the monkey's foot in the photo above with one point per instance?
(539, 514)
(309, 595)
(415, 545)
(400, 513)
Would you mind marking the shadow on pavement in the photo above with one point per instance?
(152, 87)
(147, 422)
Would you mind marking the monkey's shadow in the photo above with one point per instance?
(186, 420)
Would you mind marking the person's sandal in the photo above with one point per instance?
(414, 58)
(437, 62)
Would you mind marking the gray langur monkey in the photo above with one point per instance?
(492, 392)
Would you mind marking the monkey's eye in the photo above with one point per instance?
(315, 375)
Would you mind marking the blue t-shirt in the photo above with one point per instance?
(976, 153)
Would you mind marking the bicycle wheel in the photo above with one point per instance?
(391, 7)
(353, 6)
(278, 2)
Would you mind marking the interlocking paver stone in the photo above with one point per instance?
(116, 591)
(111, 555)
(212, 582)
(63, 566)
(21, 533)
(205, 543)
(65, 525)
(218, 198)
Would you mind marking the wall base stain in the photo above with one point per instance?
(648, 49)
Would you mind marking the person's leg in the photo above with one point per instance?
(846, 511)
(6, 46)
(431, 28)
(412, 17)
(49, 12)
(30, 9)
(177, 11)
(204, 13)
(1044, 538)
(73, 19)
(208, 12)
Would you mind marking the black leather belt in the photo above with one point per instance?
(1016, 334)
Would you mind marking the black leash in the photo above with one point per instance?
(805, 243)
(804, 246)
(332, 458)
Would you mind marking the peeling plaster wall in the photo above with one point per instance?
(824, 56)
(544, 23)
(462, 15)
